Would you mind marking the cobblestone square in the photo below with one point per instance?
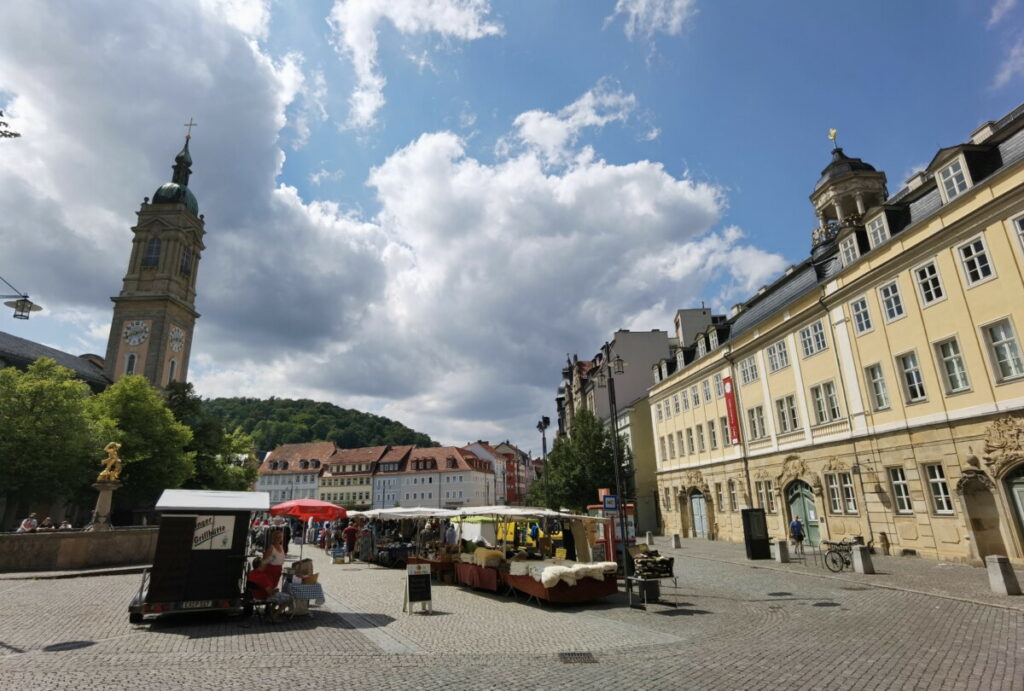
(739, 625)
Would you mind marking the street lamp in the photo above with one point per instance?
(607, 380)
(542, 427)
(21, 304)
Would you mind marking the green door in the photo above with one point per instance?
(1015, 482)
(801, 503)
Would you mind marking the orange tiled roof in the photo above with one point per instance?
(294, 454)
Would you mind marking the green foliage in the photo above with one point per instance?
(223, 460)
(49, 446)
(153, 443)
(578, 465)
(277, 421)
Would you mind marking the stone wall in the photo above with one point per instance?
(69, 550)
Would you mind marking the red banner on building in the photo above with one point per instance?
(730, 407)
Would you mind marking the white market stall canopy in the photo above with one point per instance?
(500, 511)
(405, 512)
(207, 499)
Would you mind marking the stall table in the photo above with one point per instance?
(480, 577)
(585, 590)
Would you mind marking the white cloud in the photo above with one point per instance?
(451, 309)
(323, 175)
(645, 18)
(553, 134)
(1012, 66)
(354, 23)
(999, 10)
(250, 17)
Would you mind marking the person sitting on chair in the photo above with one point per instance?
(264, 589)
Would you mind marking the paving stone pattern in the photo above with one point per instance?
(740, 625)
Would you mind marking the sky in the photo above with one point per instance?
(419, 208)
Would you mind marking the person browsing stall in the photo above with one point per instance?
(273, 558)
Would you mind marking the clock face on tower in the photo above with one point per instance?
(177, 339)
(135, 332)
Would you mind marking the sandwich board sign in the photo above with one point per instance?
(417, 588)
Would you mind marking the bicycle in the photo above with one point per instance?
(839, 554)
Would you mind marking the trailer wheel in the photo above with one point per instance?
(134, 617)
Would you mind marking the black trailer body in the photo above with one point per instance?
(201, 552)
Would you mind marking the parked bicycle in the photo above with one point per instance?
(839, 554)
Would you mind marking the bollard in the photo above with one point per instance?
(650, 539)
(782, 551)
(677, 542)
(1001, 577)
(862, 560)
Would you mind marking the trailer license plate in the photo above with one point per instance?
(196, 604)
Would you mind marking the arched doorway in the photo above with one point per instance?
(699, 514)
(1015, 489)
(800, 499)
(982, 513)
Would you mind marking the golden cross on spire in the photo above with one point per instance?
(190, 124)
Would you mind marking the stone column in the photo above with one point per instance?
(782, 551)
(1001, 577)
(862, 560)
(101, 516)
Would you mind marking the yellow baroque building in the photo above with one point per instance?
(877, 388)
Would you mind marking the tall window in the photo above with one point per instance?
(685, 400)
(928, 283)
(726, 435)
(778, 356)
(1018, 224)
(700, 438)
(848, 250)
(712, 434)
(1002, 342)
(877, 232)
(879, 392)
(129, 365)
(718, 496)
(913, 383)
(719, 386)
(939, 489)
(668, 499)
(954, 372)
(185, 269)
(975, 261)
(695, 396)
(755, 422)
(826, 403)
(706, 388)
(812, 339)
(785, 411)
(172, 365)
(765, 495)
(954, 182)
(664, 448)
(675, 403)
(689, 440)
(861, 316)
(748, 370)
(892, 305)
(835, 502)
(668, 408)
(733, 505)
(657, 411)
(679, 440)
(900, 490)
(151, 258)
(672, 446)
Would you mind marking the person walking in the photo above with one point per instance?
(796, 532)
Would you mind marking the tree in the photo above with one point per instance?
(49, 447)
(153, 444)
(223, 461)
(578, 465)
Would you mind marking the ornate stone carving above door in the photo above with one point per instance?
(1004, 445)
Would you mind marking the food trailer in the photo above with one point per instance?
(201, 552)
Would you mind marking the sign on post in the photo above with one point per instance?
(611, 502)
(417, 587)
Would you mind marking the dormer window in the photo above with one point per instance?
(701, 347)
(848, 250)
(954, 180)
(273, 465)
(315, 463)
(713, 337)
(284, 465)
(303, 464)
(877, 232)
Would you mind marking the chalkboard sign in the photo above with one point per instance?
(418, 586)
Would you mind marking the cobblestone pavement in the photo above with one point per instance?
(740, 625)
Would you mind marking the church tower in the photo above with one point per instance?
(154, 316)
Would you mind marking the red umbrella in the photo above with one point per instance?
(309, 508)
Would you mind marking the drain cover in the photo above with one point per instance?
(570, 658)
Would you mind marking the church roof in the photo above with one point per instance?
(841, 166)
(20, 353)
(176, 191)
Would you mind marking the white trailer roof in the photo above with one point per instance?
(208, 499)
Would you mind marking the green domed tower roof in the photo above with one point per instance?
(177, 191)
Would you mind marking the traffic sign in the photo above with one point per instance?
(611, 502)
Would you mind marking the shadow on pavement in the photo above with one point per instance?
(215, 625)
(67, 645)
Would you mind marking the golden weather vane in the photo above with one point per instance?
(832, 135)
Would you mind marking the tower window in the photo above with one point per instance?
(151, 259)
(129, 365)
(170, 370)
(186, 262)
